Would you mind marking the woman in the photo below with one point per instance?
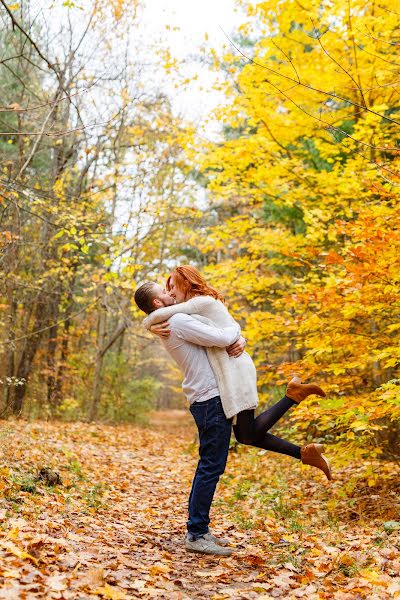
(236, 376)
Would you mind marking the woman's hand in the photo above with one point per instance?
(163, 330)
(237, 348)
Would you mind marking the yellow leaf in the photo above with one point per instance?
(110, 592)
(159, 569)
(11, 547)
(14, 533)
(359, 425)
(374, 577)
(391, 362)
(11, 573)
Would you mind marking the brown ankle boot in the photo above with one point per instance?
(312, 455)
(298, 391)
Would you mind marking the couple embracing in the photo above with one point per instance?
(220, 384)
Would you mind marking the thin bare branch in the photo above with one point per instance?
(33, 333)
(339, 65)
(393, 12)
(287, 58)
(36, 143)
(30, 212)
(17, 25)
(286, 150)
(59, 133)
(389, 62)
(329, 126)
(307, 86)
(14, 108)
(380, 40)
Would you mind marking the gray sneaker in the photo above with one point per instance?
(206, 546)
(217, 540)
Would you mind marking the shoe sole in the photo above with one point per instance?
(321, 449)
(328, 472)
(208, 553)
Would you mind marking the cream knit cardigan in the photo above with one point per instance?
(236, 377)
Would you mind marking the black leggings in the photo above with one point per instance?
(253, 431)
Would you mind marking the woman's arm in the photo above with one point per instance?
(193, 306)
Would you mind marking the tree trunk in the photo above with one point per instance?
(51, 365)
(10, 352)
(28, 354)
(107, 343)
(96, 394)
(59, 382)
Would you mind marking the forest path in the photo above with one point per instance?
(114, 528)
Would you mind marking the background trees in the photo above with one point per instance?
(93, 194)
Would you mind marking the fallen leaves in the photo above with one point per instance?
(111, 592)
(13, 549)
(114, 529)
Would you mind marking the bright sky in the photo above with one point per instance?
(181, 25)
(194, 19)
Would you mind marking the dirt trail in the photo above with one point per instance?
(114, 528)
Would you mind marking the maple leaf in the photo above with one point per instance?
(110, 592)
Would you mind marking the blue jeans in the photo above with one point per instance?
(214, 434)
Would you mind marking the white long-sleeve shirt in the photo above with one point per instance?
(186, 344)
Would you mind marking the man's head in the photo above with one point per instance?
(150, 296)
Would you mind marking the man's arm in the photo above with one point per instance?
(192, 330)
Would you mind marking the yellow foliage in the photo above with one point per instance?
(306, 182)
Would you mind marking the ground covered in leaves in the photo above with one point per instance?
(113, 527)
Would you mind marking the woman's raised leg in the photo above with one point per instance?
(254, 431)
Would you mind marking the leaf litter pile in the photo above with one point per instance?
(96, 511)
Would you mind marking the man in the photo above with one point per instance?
(186, 344)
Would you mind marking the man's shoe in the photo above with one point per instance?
(217, 540)
(312, 455)
(204, 546)
(298, 391)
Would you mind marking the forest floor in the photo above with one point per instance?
(114, 527)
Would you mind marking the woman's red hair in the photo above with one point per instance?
(192, 283)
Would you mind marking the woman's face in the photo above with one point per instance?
(175, 291)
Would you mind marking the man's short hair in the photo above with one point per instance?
(145, 295)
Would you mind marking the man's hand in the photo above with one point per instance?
(237, 348)
(163, 330)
